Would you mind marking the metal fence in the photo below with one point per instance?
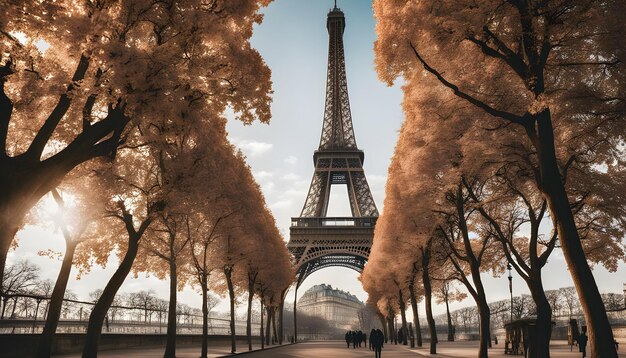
(119, 320)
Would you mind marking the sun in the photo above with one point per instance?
(49, 211)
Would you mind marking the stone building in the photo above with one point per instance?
(338, 307)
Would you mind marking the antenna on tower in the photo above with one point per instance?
(335, 4)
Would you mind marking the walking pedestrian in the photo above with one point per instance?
(582, 343)
(377, 338)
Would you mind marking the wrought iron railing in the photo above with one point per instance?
(316, 222)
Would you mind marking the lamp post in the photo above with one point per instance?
(508, 267)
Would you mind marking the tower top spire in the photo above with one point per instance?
(337, 131)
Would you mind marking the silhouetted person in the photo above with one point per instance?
(582, 343)
(400, 336)
(377, 338)
(372, 334)
(348, 338)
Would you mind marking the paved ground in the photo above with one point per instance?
(337, 349)
(157, 352)
(558, 349)
(330, 349)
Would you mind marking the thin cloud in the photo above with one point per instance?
(263, 174)
(291, 160)
(291, 177)
(252, 148)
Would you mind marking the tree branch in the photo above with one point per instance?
(45, 132)
(543, 258)
(503, 52)
(474, 101)
(6, 108)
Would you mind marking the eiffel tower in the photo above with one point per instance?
(318, 241)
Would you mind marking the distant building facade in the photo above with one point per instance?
(336, 306)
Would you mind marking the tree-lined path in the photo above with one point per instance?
(118, 133)
(337, 349)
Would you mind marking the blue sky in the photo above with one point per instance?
(294, 42)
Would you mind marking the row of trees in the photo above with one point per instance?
(117, 110)
(514, 126)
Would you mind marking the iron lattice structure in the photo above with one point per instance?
(318, 241)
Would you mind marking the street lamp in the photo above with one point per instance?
(508, 267)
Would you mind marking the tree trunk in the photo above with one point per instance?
(13, 309)
(44, 348)
(384, 325)
(274, 332)
(543, 328)
(228, 270)
(249, 318)
(7, 233)
(403, 316)
(5, 302)
(262, 337)
(45, 311)
(100, 309)
(170, 346)
(295, 316)
(35, 315)
(484, 312)
(428, 299)
(267, 326)
(391, 329)
(450, 333)
(600, 333)
(484, 328)
(281, 308)
(416, 318)
(205, 318)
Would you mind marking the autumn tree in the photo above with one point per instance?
(73, 79)
(73, 221)
(134, 201)
(428, 206)
(469, 252)
(506, 203)
(401, 234)
(176, 153)
(202, 255)
(543, 76)
(164, 254)
(444, 294)
(266, 259)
